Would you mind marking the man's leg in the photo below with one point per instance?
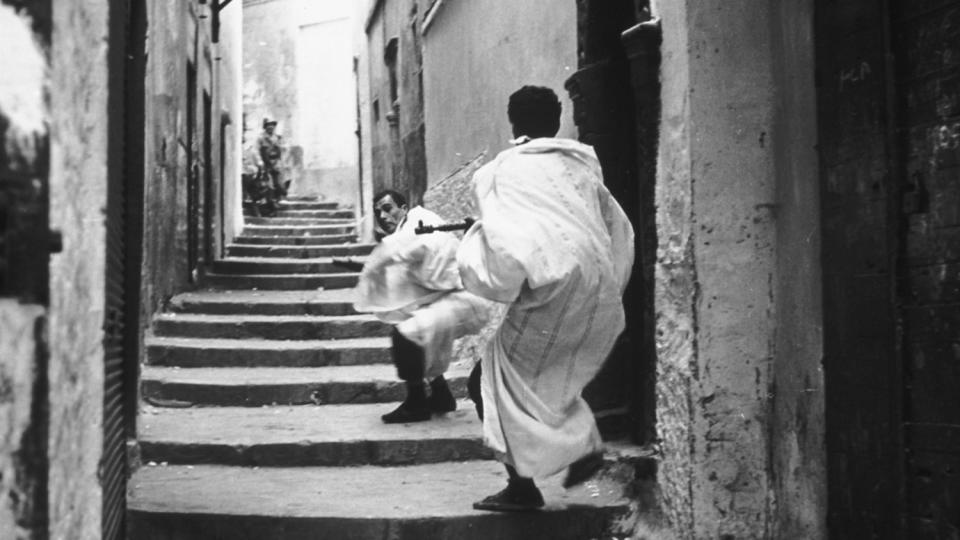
(410, 362)
(473, 388)
(441, 399)
(520, 495)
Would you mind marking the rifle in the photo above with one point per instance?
(461, 226)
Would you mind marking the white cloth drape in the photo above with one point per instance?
(413, 281)
(553, 243)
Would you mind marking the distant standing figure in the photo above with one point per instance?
(270, 144)
(257, 192)
(553, 244)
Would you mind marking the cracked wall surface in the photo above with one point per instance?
(733, 187)
(78, 195)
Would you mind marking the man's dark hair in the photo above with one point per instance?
(534, 111)
(398, 199)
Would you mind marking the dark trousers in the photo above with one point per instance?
(279, 190)
(408, 357)
(473, 389)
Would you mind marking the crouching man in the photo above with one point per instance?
(413, 281)
(553, 244)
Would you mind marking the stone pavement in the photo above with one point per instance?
(262, 398)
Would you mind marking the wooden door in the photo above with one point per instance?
(889, 132)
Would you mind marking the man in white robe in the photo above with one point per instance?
(413, 281)
(553, 243)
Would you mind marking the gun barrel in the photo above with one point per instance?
(427, 229)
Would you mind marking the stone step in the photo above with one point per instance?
(339, 213)
(331, 435)
(284, 282)
(421, 502)
(256, 387)
(298, 220)
(274, 327)
(307, 204)
(255, 265)
(195, 353)
(238, 302)
(303, 230)
(337, 239)
(298, 252)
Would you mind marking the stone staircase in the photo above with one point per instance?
(260, 419)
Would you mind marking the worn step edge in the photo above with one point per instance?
(260, 239)
(421, 502)
(256, 387)
(308, 205)
(299, 220)
(227, 305)
(279, 327)
(273, 266)
(285, 282)
(298, 252)
(200, 352)
(290, 230)
(331, 435)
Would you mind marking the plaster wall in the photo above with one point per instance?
(382, 170)
(734, 219)
(78, 195)
(230, 92)
(466, 87)
(165, 259)
(361, 56)
(298, 70)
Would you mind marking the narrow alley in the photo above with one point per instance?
(477, 269)
(263, 400)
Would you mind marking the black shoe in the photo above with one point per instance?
(413, 409)
(406, 414)
(441, 400)
(583, 469)
(518, 496)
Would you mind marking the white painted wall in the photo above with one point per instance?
(298, 69)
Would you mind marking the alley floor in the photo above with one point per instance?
(262, 397)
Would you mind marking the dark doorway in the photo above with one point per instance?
(193, 177)
(209, 188)
(616, 108)
(889, 139)
(124, 212)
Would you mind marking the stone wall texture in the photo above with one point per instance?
(731, 198)
(78, 194)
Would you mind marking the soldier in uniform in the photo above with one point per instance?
(270, 144)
